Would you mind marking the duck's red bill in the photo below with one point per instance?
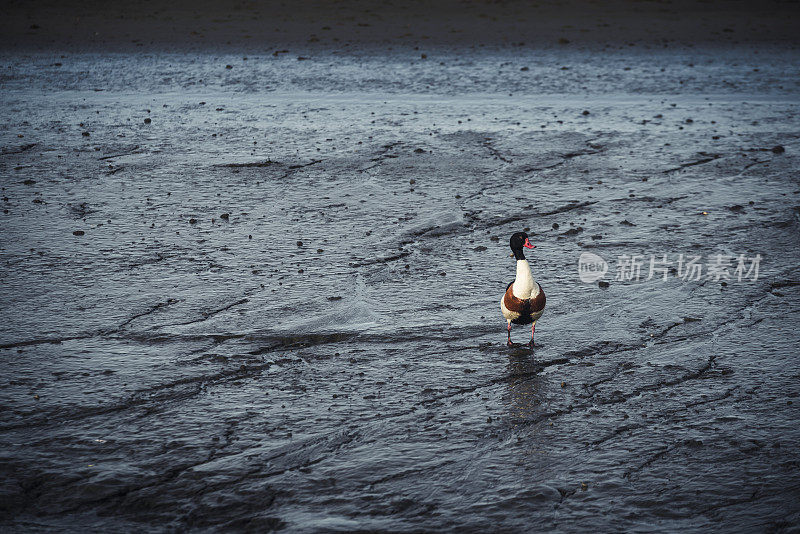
(528, 244)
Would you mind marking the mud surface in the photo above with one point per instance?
(268, 295)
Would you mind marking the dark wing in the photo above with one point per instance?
(513, 303)
(538, 302)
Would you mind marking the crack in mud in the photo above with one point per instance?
(706, 159)
(153, 309)
(18, 150)
(661, 416)
(206, 315)
(494, 152)
(384, 259)
(132, 151)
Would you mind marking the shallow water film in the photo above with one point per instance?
(263, 293)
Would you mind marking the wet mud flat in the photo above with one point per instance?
(267, 296)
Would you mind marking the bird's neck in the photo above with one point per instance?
(524, 270)
(518, 254)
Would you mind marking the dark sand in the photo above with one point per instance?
(327, 25)
(183, 363)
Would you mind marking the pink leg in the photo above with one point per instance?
(509, 335)
(533, 331)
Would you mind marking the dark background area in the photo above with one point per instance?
(254, 24)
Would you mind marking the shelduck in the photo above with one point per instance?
(524, 299)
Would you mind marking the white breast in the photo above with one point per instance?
(525, 286)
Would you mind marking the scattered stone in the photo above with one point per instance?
(479, 248)
(626, 222)
(603, 284)
(299, 243)
(778, 149)
(585, 112)
(419, 151)
(147, 120)
(86, 134)
(335, 298)
(555, 226)
(78, 232)
(524, 69)
(228, 66)
(193, 221)
(225, 216)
